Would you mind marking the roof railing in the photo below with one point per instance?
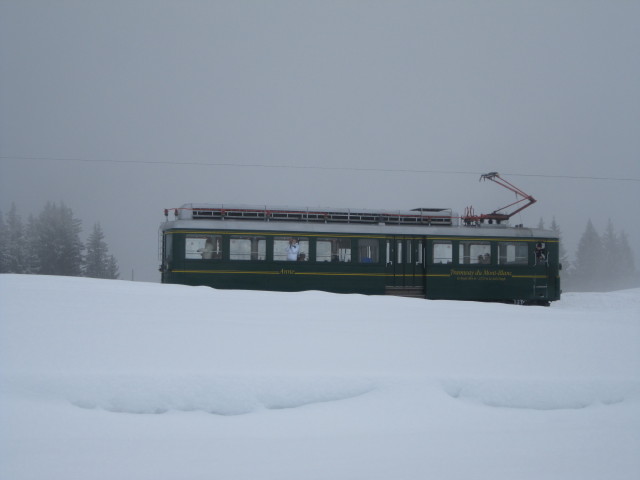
(418, 216)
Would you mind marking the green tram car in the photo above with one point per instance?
(425, 253)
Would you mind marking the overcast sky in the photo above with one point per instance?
(113, 107)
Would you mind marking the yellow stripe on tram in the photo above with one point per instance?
(278, 272)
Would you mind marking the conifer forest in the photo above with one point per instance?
(50, 244)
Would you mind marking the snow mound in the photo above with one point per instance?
(542, 394)
(220, 395)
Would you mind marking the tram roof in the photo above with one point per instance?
(280, 213)
(227, 217)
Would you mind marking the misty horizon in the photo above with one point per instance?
(123, 109)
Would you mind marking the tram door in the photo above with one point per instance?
(405, 262)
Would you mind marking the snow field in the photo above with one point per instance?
(104, 379)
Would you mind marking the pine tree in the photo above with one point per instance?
(112, 268)
(541, 224)
(16, 250)
(31, 233)
(4, 246)
(613, 263)
(590, 260)
(58, 248)
(564, 256)
(566, 271)
(628, 273)
(98, 262)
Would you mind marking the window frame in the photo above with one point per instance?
(198, 253)
(467, 245)
(256, 253)
(433, 253)
(524, 260)
(373, 248)
(335, 256)
(277, 256)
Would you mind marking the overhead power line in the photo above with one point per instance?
(305, 167)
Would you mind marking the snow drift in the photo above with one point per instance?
(105, 379)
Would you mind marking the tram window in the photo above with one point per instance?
(333, 250)
(368, 249)
(540, 253)
(203, 247)
(409, 251)
(399, 252)
(168, 247)
(419, 253)
(442, 252)
(245, 247)
(514, 253)
(388, 259)
(475, 252)
(283, 252)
